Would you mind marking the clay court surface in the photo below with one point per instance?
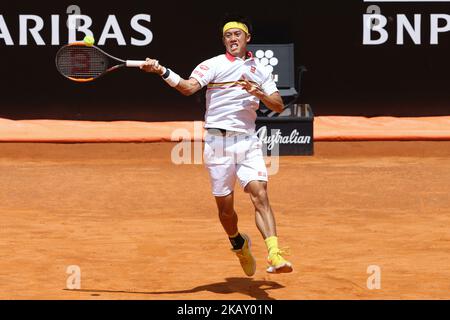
(140, 227)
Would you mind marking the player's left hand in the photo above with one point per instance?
(251, 88)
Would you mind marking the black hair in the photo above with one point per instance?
(228, 17)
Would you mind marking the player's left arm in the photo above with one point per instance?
(273, 101)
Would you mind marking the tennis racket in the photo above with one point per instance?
(84, 63)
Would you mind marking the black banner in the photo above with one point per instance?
(398, 65)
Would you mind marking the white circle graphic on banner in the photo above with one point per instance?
(259, 54)
(273, 62)
(269, 54)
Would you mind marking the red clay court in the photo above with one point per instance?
(140, 227)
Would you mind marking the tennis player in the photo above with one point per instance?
(236, 83)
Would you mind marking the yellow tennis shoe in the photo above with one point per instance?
(277, 263)
(248, 262)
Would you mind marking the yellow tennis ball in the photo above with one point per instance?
(89, 40)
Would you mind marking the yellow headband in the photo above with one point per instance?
(235, 25)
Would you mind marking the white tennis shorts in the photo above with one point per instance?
(237, 156)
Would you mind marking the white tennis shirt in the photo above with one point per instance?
(228, 105)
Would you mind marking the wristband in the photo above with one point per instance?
(171, 78)
(165, 75)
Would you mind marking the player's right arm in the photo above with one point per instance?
(186, 87)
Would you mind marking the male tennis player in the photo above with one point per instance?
(236, 83)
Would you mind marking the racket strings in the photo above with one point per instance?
(81, 62)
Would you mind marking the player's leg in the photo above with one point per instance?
(253, 177)
(252, 174)
(222, 174)
(265, 221)
(240, 242)
(227, 216)
(264, 217)
(229, 220)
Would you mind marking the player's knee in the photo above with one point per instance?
(254, 187)
(259, 197)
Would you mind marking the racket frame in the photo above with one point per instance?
(122, 63)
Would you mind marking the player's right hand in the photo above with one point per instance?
(152, 66)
